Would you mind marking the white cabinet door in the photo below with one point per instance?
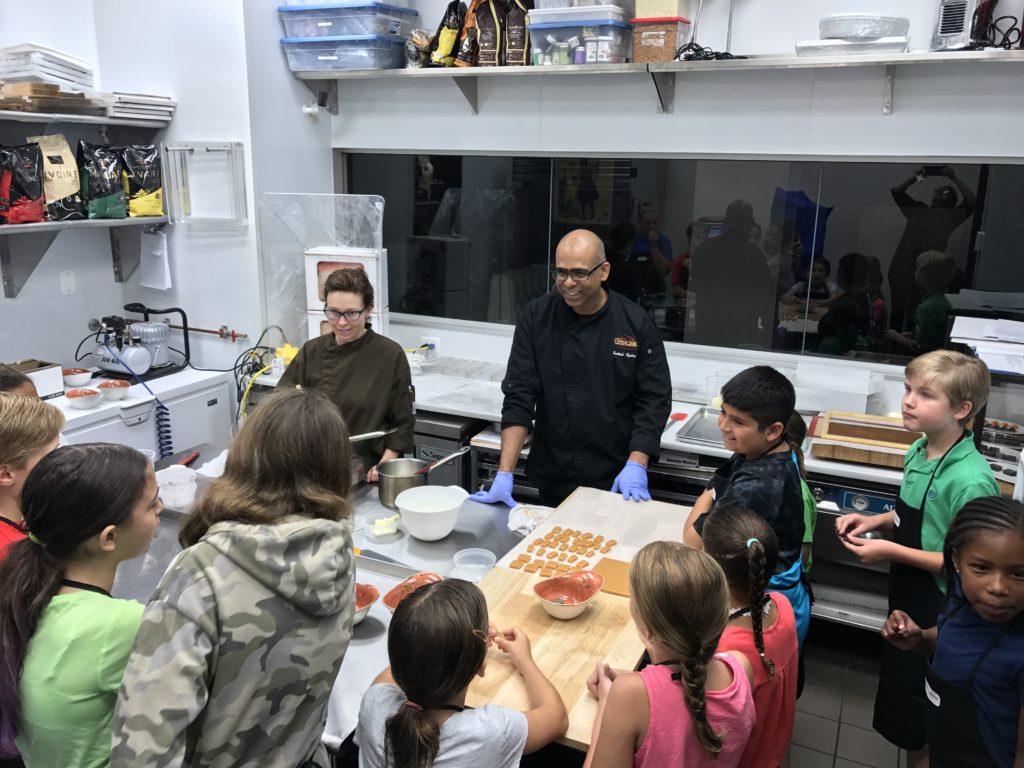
(197, 417)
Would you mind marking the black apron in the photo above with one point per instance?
(900, 705)
(954, 739)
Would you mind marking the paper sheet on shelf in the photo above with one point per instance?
(154, 264)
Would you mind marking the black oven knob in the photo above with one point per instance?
(819, 494)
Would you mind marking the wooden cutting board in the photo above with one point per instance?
(882, 453)
(566, 651)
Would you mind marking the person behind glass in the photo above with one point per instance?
(817, 291)
(928, 228)
(652, 252)
(588, 373)
(975, 676)
(941, 473)
(761, 627)
(365, 374)
(239, 647)
(696, 233)
(848, 324)
(29, 429)
(415, 715)
(623, 277)
(732, 288)
(690, 706)
(935, 271)
(64, 640)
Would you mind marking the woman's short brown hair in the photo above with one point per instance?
(292, 457)
(350, 280)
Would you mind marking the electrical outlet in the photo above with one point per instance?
(435, 340)
(67, 282)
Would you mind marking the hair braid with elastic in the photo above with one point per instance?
(694, 676)
(757, 580)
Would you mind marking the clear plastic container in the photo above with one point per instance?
(338, 19)
(579, 15)
(544, 5)
(472, 564)
(658, 39)
(852, 47)
(628, 7)
(344, 52)
(604, 41)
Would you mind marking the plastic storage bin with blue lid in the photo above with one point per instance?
(351, 18)
(584, 41)
(344, 52)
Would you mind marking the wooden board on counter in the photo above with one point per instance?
(867, 429)
(857, 451)
(631, 524)
(566, 651)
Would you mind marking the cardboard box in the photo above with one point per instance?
(48, 377)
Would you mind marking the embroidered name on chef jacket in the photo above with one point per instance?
(625, 346)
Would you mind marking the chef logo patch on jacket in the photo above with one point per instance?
(625, 346)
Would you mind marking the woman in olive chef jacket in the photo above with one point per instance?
(366, 375)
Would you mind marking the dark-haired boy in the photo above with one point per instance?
(762, 475)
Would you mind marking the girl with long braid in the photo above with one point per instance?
(761, 627)
(690, 706)
(974, 682)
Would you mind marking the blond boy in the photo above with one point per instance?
(942, 471)
(29, 429)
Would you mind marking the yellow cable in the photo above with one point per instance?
(245, 395)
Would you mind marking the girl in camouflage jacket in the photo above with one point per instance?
(239, 648)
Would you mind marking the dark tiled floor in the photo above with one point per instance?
(833, 719)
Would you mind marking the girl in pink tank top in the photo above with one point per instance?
(761, 626)
(690, 707)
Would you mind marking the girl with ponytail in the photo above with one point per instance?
(691, 706)
(761, 627)
(64, 641)
(414, 714)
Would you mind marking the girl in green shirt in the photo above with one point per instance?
(64, 640)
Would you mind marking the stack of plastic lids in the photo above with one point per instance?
(31, 62)
(845, 34)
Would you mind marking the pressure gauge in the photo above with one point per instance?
(859, 503)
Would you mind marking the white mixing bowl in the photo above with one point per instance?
(430, 512)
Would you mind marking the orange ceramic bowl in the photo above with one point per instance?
(113, 390)
(407, 587)
(566, 597)
(82, 398)
(366, 596)
(76, 377)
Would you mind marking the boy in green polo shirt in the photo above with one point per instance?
(942, 472)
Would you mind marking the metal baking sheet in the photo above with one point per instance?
(702, 428)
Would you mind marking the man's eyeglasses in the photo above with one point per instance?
(351, 315)
(578, 275)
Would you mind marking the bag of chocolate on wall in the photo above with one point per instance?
(447, 37)
(469, 49)
(517, 35)
(21, 185)
(61, 185)
(101, 170)
(143, 180)
(490, 23)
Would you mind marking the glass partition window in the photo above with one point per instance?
(851, 259)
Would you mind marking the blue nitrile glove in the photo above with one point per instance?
(632, 482)
(500, 490)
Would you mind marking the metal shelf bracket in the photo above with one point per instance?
(665, 85)
(16, 275)
(326, 93)
(467, 86)
(888, 89)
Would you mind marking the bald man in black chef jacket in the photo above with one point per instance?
(588, 374)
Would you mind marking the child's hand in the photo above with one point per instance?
(600, 680)
(901, 631)
(868, 551)
(855, 524)
(516, 644)
(492, 632)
